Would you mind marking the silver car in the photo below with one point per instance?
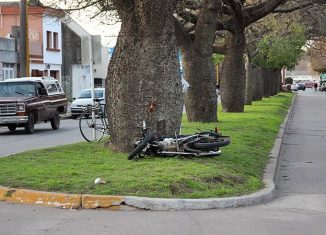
(84, 99)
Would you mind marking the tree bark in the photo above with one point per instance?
(279, 80)
(144, 82)
(233, 81)
(267, 82)
(259, 84)
(250, 82)
(201, 98)
(199, 70)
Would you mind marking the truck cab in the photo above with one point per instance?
(30, 100)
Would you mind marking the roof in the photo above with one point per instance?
(12, 8)
(31, 79)
(99, 88)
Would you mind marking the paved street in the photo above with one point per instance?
(300, 207)
(43, 137)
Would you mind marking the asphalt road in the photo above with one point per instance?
(43, 137)
(300, 207)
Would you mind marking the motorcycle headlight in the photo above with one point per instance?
(20, 107)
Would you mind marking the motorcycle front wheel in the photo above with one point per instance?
(148, 138)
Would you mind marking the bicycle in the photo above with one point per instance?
(202, 144)
(93, 128)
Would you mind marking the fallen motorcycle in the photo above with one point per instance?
(202, 144)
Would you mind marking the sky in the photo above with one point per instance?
(109, 33)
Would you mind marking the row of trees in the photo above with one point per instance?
(143, 76)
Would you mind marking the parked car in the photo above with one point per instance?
(322, 87)
(83, 99)
(301, 86)
(30, 100)
(294, 87)
(309, 84)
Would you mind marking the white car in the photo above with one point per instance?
(294, 87)
(84, 99)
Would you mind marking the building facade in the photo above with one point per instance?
(45, 37)
(84, 58)
(8, 58)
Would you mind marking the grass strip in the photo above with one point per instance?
(238, 171)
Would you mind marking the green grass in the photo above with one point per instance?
(238, 171)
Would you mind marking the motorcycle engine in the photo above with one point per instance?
(167, 144)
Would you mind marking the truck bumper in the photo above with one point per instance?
(13, 120)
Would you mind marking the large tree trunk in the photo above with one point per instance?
(259, 84)
(274, 79)
(144, 82)
(267, 82)
(201, 98)
(250, 82)
(199, 71)
(279, 80)
(233, 81)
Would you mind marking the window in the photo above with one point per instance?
(52, 41)
(58, 86)
(55, 40)
(8, 70)
(98, 82)
(39, 86)
(52, 88)
(48, 39)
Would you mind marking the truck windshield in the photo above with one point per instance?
(12, 89)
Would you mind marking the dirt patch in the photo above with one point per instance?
(180, 188)
(234, 179)
(214, 180)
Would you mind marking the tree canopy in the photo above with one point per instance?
(281, 46)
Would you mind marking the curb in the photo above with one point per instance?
(86, 201)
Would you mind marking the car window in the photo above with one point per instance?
(39, 86)
(52, 88)
(86, 94)
(99, 94)
(58, 86)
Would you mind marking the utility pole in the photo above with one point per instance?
(24, 40)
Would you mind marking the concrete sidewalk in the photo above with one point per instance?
(302, 165)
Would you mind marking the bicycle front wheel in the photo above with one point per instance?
(91, 129)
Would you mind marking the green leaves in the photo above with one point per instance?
(281, 47)
(217, 58)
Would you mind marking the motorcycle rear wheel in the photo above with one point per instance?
(211, 143)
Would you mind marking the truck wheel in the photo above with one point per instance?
(55, 121)
(12, 127)
(29, 126)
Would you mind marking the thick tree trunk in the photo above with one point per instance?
(274, 79)
(279, 80)
(233, 81)
(259, 85)
(201, 98)
(267, 82)
(250, 82)
(144, 81)
(199, 71)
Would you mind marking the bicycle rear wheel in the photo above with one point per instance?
(91, 130)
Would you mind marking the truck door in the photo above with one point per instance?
(44, 102)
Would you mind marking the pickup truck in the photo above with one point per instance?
(30, 100)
